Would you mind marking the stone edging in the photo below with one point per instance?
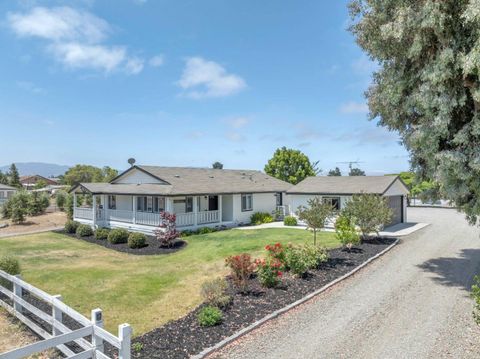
(278, 312)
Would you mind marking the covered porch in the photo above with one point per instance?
(143, 212)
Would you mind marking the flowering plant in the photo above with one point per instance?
(241, 268)
(269, 271)
(167, 232)
(276, 251)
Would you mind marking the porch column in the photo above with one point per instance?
(94, 210)
(74, 204)
(168, 205)
(220, 209)
(105, 207)
(134, 209)
(195, 210)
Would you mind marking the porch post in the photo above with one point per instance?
(220, 209)
(195, 210)
(134, 208)
(94, 210)
(74, 204)
(105, 207)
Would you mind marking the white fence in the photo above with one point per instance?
(88, 340)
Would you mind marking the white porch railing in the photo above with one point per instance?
(207, 217)
(83, 213)
(15, 301)
(119, 215)
(185, 219)
(148, 219)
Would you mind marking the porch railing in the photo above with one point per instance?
(207, 217)
(149, 219)
(119, 215)
(185, 219)
(83, 213)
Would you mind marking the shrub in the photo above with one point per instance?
(60, 199)
(206, 230)
(290, 221)
(71, 226)
(476, 297)
(268, 271)
(84, 230)
(261, 217)
(118, 235)
(345, 232)
(276, 251)
(37, 203)
(209, 316)
(137, 240)
(299, 259)
(167, 232)
(187, 233)
(16, 208)
(214, 292)
(314, 255)
(102, 234)
(69, 206)
(241, 269)
(11, 266)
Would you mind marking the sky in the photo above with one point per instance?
(186, 83)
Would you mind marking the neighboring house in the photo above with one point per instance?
(198, 196)
(51, 189)
(29, 182)
(6, 192)
(339, 189)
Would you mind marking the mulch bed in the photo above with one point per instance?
(152, 246)
(185, 337)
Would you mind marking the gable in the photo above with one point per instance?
(136, 176)
(397, 188)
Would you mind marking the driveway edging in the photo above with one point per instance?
(287, 308)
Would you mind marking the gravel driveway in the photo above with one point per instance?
(412, 303)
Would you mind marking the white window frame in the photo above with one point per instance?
(330, 199)
(112, 201)
(248, 206)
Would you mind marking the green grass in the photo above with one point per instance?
(144, 291)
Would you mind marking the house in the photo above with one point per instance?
(198, 196)
(6, 192)
(337, 190)
(29, 182)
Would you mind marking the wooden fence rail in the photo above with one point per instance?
(89, 339)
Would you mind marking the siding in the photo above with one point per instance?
(262, 202)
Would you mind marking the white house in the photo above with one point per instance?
(198, 196)
(339, 189)
(6, 192)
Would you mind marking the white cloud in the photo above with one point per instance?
(30, 87)
(75, 38)
(353, 107)
(157, 61)
(235, 136)
(59, 24)
(238, 122)
(202, 78)
(76, 55)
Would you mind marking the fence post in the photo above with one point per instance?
(124, 334)
(97, 319)
(57, 314)
(17, 290)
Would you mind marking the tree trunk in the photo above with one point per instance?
(315, 236)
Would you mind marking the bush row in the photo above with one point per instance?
(24, 203)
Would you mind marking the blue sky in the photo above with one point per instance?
(186, 83)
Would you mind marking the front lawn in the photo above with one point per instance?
(144, 291)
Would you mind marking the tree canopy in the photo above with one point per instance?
(335, 172)
(217, 165)
(315, 215)
(14, 177)
(354, 171)
(290, 165)
(427, 86)
(87, 173)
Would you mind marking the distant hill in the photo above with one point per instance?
(38, 168)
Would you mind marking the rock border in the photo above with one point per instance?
(287, 308)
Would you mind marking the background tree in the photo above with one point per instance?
(3, 178)
(60, 199)
(355, 171)
(335, 172)
(370, 212)
(315, 215)
(290, 165)
(69, 206)
(87, 173)
(14, 177)
(108, 174)
(427, 86)
(217, 165)
(40, 184)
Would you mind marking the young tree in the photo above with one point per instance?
(60, 199)
(427, 86)
(14, 177)
(370, 212)
(18, 206)
(69, 206)
(290, 165)
(335, 172)
(315, 215)
(217, 165)
(167, 233)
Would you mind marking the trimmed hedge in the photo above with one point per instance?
(118, 235)
(71, 226)
(290, 221)
(261, 217)
(84, 230)
(209, 316)
(102, 234)
(137, 240)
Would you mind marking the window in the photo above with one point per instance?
(151, 204)
(158, 204)
(333, 201)
(247, 202)
(279, 198)
(188, 204)
(112, 202)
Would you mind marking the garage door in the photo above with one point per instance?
(396, 204)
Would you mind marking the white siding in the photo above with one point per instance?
(227, 208)
(124, 203)
(135, 176)
(397, 189)
(262, 202)
(297, 200)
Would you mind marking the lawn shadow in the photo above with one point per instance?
(455, 271)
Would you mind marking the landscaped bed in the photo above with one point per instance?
(185, 337)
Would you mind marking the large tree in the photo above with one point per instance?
(335, 172)
(355, 171)
(14, 177)
(87, 173)
(290, 165)
(427, 86)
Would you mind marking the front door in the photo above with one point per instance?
(213, 203)
(279, 199)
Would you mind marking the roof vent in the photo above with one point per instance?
(177, 176)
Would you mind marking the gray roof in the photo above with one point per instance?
(343, 185)
(4, 187)
(193, 181)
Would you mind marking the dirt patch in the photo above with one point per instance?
(185, 337)
(39, 223)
